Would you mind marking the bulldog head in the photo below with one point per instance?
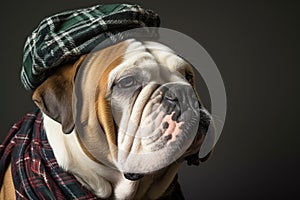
(133, 105)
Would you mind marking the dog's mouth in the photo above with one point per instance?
(133, 176)
(165, 129)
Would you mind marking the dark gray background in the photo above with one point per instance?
(252, 43)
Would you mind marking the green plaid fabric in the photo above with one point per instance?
(64, 37)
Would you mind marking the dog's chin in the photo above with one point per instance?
(157, 143)
(159, 156)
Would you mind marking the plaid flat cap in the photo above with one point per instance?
(65, 36)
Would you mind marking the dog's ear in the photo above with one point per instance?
(192, 153)
(54, 95)
(203, 137)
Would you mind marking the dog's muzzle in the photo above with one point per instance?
(166, 128)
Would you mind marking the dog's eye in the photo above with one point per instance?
(126, 82)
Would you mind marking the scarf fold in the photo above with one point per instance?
(35, 171)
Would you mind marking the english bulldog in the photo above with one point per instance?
(124, 119)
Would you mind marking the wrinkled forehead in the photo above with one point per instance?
(149, 57)
(131, 55)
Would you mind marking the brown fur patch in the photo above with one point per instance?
(103, 107)
(54, 95)
(8, 190)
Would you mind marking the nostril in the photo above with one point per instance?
(169, 96)
(170, 102)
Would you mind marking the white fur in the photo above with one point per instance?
(70, 156)
(104, 181)
(157, 64)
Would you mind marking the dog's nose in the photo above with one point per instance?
(178, 98)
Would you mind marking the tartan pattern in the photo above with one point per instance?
(35, 171)
(64, 37)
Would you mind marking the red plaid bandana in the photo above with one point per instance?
(35, 171)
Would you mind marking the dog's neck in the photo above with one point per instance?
(105, 182)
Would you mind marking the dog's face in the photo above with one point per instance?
(139, 103)
(154, 107)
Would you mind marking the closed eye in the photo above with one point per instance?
(126, 82)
